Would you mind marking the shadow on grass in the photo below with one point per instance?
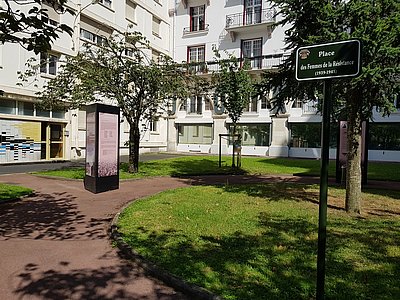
(280, 263)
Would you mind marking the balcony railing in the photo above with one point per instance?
(265, 62)
(310, 107)
(253, 18)
(189, 30)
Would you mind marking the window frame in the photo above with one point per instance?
(255, 60)
(197, 18)
(156, 30)
(200, 58)
(252, 12)
(46, 62)
(106, 3)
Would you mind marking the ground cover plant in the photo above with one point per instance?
(260, 241)
(12, 192)
(206, 165)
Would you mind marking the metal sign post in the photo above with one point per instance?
(326, 61)
(323, 188)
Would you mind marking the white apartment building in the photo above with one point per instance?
(187, 30)
(30, 134)
(245, 29)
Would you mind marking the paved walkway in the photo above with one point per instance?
(54, 245)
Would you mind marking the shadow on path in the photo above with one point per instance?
(102, 283)
(48, 216)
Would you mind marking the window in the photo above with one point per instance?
(397, 101)
(155, 55)
(43, 113)
(252, 51)
(106, 3)
(196, 57)
(153, 125)
(265, 103)
(82, 119)
(130, 11)
(156, 26)
(196, 131)
(308, 135)
(384, 136)
(254, 134)
(196, 105)
(305, 135)
(7, 107)
(183, 105)
(195, 134)
(252, 10)
(1, 54)
(253, 105)
(48, 63)
(93, 31)
(49, 15)
(128, 52)
(197, 17)
(25, 108)
(297, 103)
(97, 39)
(47, 20)
(207, 104)
(58, 114)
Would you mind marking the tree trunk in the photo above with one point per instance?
(353, 172)
(233, 145)
(134, 140)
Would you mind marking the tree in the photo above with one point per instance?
(30, 29)
(377, 24)
(118, 71)
(234, 87)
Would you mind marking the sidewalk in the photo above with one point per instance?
(55, 245)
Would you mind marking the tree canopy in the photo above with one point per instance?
(234, 88)
(119, 71)
(233, 85)
(26, 24)
(376, 23)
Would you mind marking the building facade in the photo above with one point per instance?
(188, 31)
(245, 28)
(30, 134)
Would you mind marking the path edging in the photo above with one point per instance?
(194, 291)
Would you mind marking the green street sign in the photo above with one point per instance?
(330, 60)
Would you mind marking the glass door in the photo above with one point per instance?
(52, 141)
(252, 10)
(252, 50)
(56, 141)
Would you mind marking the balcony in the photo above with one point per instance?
(242, 22)
(188, 31)
(256, 64)
(185, 3)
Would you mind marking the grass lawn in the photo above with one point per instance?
(260, 241)
(203, 165)
(11, 192)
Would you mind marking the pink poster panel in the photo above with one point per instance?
(108, 144)
(90, 143)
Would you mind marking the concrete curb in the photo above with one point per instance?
(194, 291)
